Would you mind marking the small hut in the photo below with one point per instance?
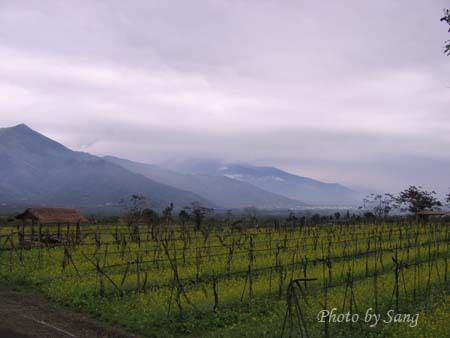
(425, 214)
(49, 217)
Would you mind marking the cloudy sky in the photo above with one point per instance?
(356, 92)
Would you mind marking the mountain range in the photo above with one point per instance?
(35, 170)
(272, 179)
(220, 190)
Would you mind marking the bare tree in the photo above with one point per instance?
(251, 214)
(380, 205)
(149, 216)
(134, 208)
(167, 214)
(198, 214)
(184, 217)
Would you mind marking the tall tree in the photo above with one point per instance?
(416, 199)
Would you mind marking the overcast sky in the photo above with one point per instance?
(356, 92)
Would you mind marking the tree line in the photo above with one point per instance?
(414, 199)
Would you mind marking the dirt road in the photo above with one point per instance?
(26, 314)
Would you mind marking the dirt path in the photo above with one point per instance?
(25, 314)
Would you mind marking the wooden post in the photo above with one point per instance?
(19, 232)
(32, 230)
(78, 233)
(23, 231)
(40, 231)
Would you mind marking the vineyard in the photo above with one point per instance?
(231, 281)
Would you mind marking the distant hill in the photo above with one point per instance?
(36, 170)
(223, 191)
(272, 179)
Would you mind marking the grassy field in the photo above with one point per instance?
(162, 281)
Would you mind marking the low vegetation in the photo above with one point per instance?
(199, 277)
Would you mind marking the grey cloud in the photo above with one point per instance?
(349, 91)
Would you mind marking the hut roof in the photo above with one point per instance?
(433, 212)
(52, 215)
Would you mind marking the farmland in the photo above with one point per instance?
(229, 280)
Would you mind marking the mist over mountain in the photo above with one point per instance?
(272, 179)
(36, 170)
(221, 190)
